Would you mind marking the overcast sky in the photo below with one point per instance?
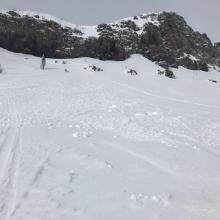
(202, 15)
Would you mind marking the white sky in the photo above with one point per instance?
(202, 15)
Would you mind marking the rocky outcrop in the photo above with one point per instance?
(164, 37)
(217, 46)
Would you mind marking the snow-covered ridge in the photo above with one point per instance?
(130, 35)
(91, 31)
(141, 20)
(86, 30)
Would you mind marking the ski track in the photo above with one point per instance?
(144, 158)
(164, 97)
(9, 174)
(10, 151)
(39, 170)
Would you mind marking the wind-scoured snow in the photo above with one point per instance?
(86, 145)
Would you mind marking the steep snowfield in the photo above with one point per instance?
(88, 145)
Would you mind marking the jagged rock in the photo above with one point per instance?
(217, 46)
(193, 64)
(132, 72)
(95, 68)
(213, 81)
(129, 25)
(13, 13)
(105, 30)
(168, 73)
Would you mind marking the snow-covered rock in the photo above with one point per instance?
(162, 37)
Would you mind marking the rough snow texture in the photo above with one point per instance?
(107, 145)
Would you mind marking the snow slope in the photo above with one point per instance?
(88, 145)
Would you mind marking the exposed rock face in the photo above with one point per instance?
(217, 46)
(28, 35)
(161, 37)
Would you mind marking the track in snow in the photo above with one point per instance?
(10, 155)
(165, 97)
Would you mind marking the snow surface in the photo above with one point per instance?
(88, 145)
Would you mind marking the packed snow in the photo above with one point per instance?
(93, 145)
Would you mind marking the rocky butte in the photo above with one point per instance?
(163, 37)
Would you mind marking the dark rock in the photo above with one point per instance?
(95, 68)
(76, 31)
(129, 25)
(135, 17)
(213, 81)
(168, 73)
(13, 13)
(132, 72)
(217, 46)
